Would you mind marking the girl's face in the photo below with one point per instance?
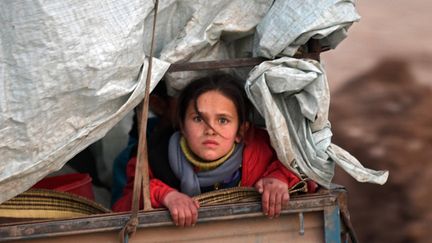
(221, 114)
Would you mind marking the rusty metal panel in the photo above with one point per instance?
(332, 224)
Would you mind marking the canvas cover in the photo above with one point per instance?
(293, 96)
(70, 70)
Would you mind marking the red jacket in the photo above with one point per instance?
(259, 160)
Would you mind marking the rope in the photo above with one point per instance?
(141, 169)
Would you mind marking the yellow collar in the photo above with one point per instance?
(200, 164)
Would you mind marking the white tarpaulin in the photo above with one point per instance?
(293, 96)
(290, 24)
(70, 70)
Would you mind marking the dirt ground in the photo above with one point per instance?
(381, 82)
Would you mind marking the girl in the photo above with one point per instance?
(215, 148)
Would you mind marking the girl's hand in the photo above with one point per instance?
(183, 209)
(274, 195)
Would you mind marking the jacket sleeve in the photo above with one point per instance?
(158, 190)
(278, 171)
(263, 160)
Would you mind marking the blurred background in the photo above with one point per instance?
(380, 78)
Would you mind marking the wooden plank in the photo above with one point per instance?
(255, 229)
(114, 222)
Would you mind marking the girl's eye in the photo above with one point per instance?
(223, 120)
(197, 119)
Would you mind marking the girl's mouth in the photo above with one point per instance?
(210, 143)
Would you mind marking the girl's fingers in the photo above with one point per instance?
(265, 202)
(278, 204)
(259, 186)
(197, 205)
(188, 216)
(272, 204)
(181, 218)
(285, 199)
(174, 216)
(194, 214)
(274, 196)
(183, 209)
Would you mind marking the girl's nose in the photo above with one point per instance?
(209, 130)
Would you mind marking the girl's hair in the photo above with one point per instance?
(227, 85)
